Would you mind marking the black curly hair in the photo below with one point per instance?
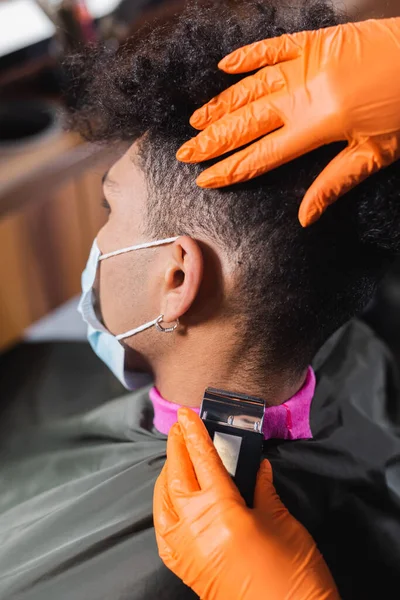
(294, 286)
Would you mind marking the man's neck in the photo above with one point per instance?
(183, 378)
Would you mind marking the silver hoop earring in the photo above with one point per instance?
(162, 329)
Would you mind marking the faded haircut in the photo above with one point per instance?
(294, 286)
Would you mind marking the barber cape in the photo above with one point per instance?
(76, 496)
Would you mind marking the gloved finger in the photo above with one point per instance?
(260, 54)
(181, 476)
(270, 152)
(164, 515)
(349, 168)
(209, 469)
(266, 500)
(266, 81)
(231, 132)
(264, 485)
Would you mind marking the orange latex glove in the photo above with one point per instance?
(221, 549)
(340, 83)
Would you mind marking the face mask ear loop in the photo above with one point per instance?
(138, 247)
(157, 323)
(123, 336)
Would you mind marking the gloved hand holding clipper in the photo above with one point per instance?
(221, 549)
(312, 88)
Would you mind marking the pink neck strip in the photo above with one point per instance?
(288, 421)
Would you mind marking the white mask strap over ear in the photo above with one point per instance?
(123, 336)
(157, 322)
(138, 247)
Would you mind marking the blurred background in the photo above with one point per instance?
(50, 206)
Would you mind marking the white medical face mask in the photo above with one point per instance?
(105, 344)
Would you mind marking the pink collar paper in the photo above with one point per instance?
(288, 421)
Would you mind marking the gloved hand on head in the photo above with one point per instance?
(221, 549)
(311, 88)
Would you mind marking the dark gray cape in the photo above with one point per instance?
(76, 495)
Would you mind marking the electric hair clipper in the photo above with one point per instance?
(235, 422)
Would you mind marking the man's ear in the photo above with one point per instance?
(182, 279)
